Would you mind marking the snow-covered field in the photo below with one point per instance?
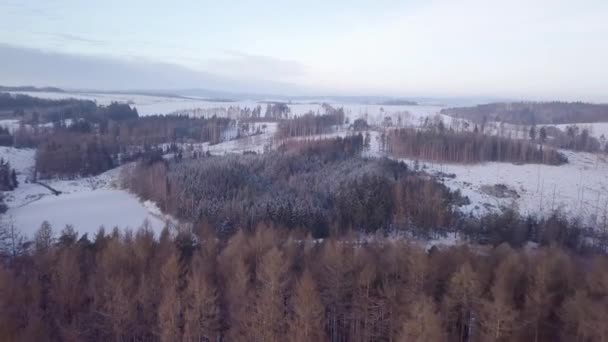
(86, 203)
(578, 189)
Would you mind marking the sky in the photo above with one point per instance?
(541, 49)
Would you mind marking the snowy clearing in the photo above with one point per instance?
(86, 211)
(86, 203)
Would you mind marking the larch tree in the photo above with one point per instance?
(236, 282)
(336, 282)
(306, 324)
(422, 323)
(365, 313)
(202, 315)
(498, 315)
(272, 281)
(170, 309)
(461, 302)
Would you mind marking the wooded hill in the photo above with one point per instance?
(532, 113)
(320, 187)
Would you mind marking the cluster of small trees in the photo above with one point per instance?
(275, 111)
(533, 113)
(466, 147)
(8, 182)
(270, 286)
(6, 138)
(320, 186)
(8, 176)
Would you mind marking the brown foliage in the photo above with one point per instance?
(262, 286)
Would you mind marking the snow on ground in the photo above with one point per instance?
(579, 188)
(86, 203)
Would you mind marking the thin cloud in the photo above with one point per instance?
(19, 66)
(80, 39)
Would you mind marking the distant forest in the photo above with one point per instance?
(34, 109)
(32, 89)
(532, 113)
(80, 138)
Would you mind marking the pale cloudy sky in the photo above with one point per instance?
(549, 49)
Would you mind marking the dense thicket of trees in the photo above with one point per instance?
(466, 147)
(310, 124)
(533, 113)
(74, 154)
(269, 286)
(317, 186)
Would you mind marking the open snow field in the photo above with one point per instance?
(86, 203)
(579, 188)
(86, 211)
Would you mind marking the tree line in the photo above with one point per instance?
(267, 285)
(445, 145)
(312, 123)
